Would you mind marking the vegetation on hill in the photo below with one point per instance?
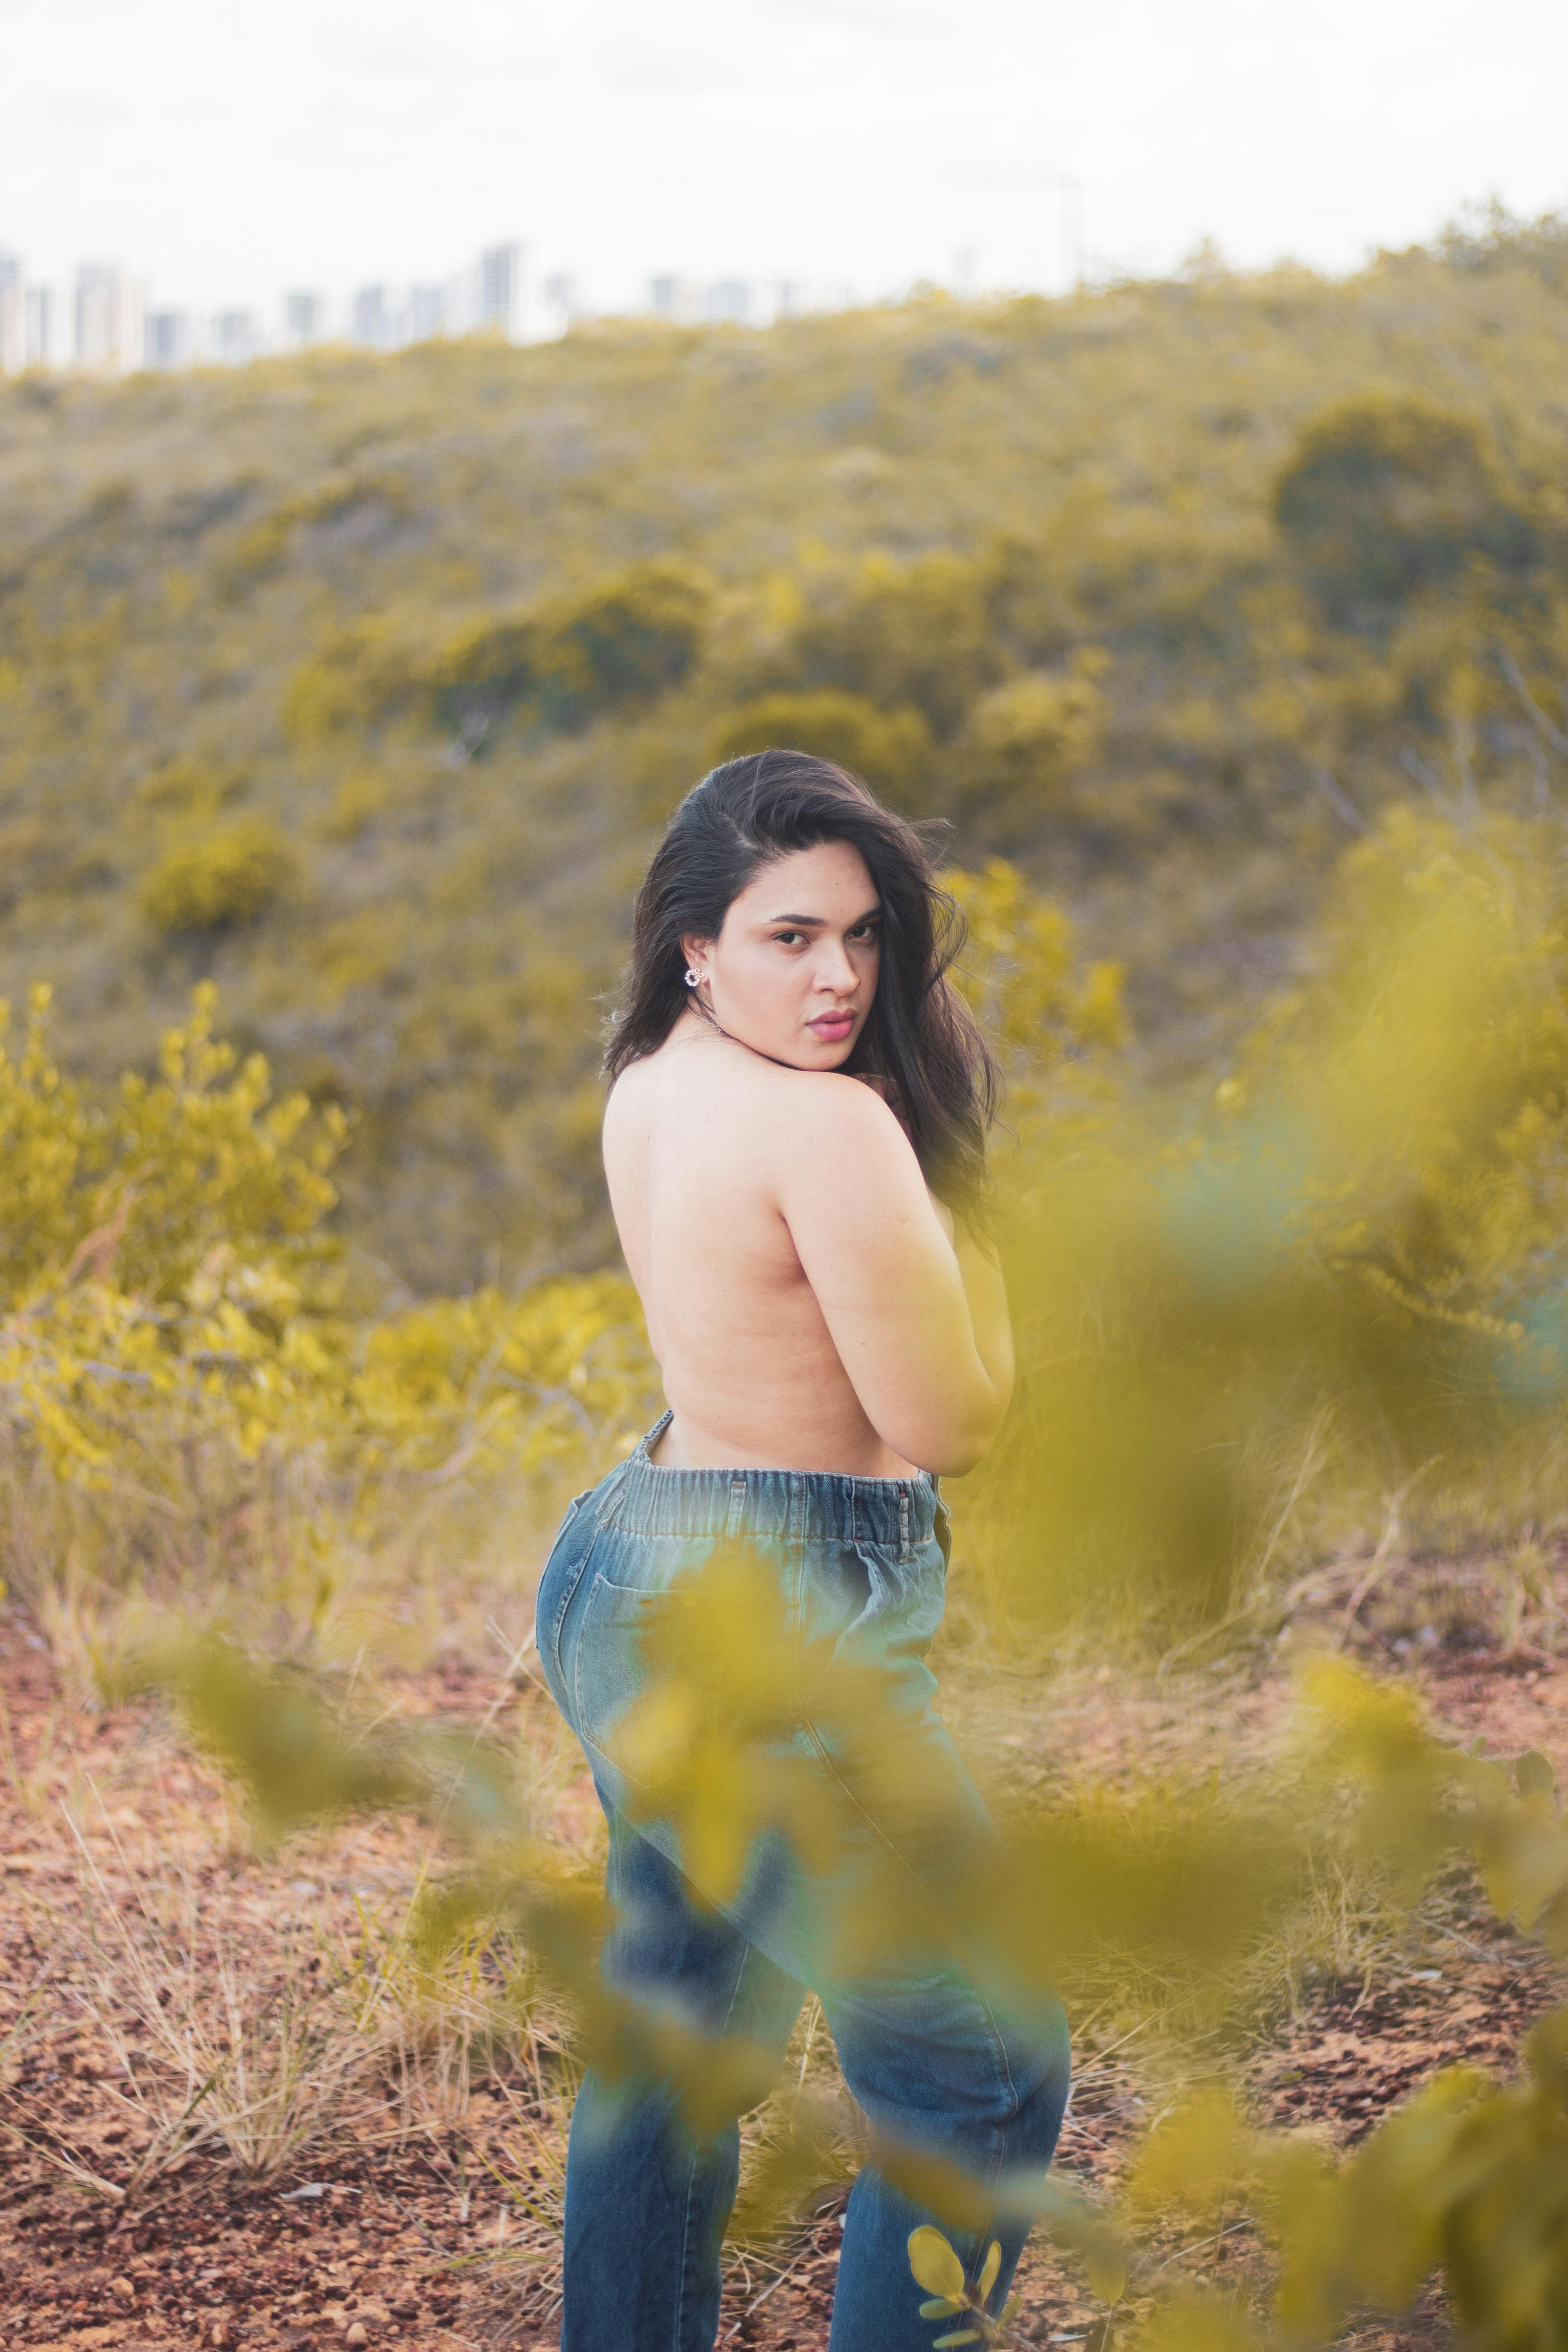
(348, 694)
(361, 684)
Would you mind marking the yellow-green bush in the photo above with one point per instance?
(898, 634)
(616, 644)
(891, 748)
(623, 640)
(220, 879)
(1022, 743)
(189, 790)
(482, 672)
(1020, 975)
(1386, 493)
(173, 1323)
(362, 672)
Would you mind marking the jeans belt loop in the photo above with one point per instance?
(737, 1507)
(904, 1552)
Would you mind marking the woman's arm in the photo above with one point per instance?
(986, 1292)
(981, 1274)
(919, 1324)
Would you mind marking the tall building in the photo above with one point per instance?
(13, 317)
(109, 318)
(43, 326)
(426, 314)
(501, 304)
(304, 320)
(168, 343)
(679, 300)
(372, 317)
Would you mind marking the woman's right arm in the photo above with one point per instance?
(932, 1370)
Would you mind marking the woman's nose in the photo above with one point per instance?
(836, 974)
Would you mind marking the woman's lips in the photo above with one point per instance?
(832, 1027)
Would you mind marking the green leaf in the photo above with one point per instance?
(941, 2306)
(1534, 1775)
(1011, 2308)
(935, 2266)
(991, 2265)
(959, 2336)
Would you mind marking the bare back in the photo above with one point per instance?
(802, 1297)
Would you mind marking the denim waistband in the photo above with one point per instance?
(809, 1506)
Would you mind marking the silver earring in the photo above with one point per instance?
(691, 979)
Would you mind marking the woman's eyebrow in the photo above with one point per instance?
(817, 922)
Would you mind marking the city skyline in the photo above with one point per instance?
(102, 321)
(866, 141)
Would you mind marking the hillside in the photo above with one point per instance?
(361, 684)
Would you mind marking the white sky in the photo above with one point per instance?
(228, 148)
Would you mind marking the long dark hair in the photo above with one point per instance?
(920, 1037)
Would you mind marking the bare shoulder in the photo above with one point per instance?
(770, 1113)
(818, 1119)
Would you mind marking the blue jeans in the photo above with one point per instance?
(941, 2065)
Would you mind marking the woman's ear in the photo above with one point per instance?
(696, 951)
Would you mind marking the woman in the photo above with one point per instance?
(833, 1336)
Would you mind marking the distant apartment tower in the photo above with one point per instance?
(42, 308)
(233, 337)
(428, 314)
(501, 302)
(168, 339)
(109, 318)
(13, 317)
(304, 320)
(679, 300)
(372, 317)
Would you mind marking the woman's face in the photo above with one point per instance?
(793, 973)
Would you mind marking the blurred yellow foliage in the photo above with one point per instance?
(168, 1291)
(891, 748)
(219, 879)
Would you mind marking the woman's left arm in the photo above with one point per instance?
(986, 1292)
(988, 1295)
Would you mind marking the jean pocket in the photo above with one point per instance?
(605, 1664)
(607, 1669)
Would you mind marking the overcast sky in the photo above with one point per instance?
(230, 148)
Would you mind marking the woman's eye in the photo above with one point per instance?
(788, 939)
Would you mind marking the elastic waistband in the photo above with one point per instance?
(810, 1506)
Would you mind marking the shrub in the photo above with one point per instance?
(1387, 494)
(624, 640)
(218, 882)
(891, 748)
(616, 644)
(1020, 976)
(190, 789)
(360, 799)
(1025, 740)
(482, 673)
(914, 633)
(362, 672)
(170, 1313)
